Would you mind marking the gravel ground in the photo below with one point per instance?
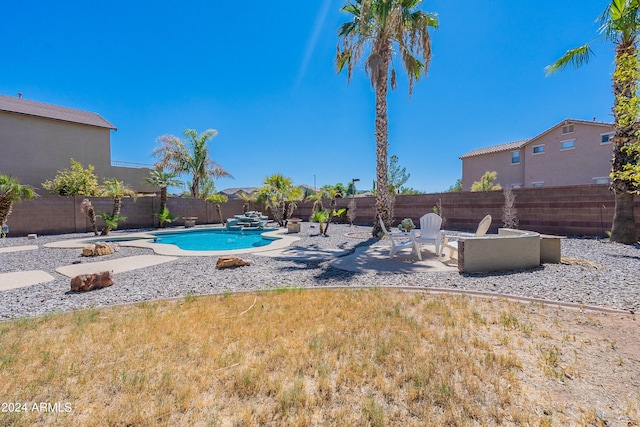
(610, 279)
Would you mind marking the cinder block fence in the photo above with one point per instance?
(574, 211)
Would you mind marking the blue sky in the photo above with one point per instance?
(263, 75)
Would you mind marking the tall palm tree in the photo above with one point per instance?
(162, 179)
(190, 156)
(620, 25)
(117, 190)
(384, 27)
(11, 191)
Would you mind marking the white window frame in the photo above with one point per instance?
(573, 147)
(567, 128)
(537, 184)
(519, 157)
(516, 186)
(601, 178)
(533, 149)
(609, 134)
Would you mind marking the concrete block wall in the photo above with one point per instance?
(573, 211)
(57, 215)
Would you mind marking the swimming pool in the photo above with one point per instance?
(215, 239)
(166, 242)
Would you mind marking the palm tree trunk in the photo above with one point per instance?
(623, 228)
(117, 206)
(5, 209)
(219, 213)
(195, 187)
(624, 225)
(163, 198)
(91, 214)
(383, 205)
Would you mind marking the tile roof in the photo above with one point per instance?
(236, 190)
(55, 112)
(516, 145)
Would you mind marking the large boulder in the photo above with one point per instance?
(99, 248)
(231, 261)
(89, 282)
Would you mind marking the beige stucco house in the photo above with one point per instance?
(37, 140)
(573, 152)
(238, 193)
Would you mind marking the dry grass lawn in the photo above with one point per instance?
(322, 357)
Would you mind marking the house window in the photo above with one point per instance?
(516, 186)
(606, 138)
(537, 184)
(538, 149)
(515, 157)
(601, 180)
(567, 129)
(568, 145)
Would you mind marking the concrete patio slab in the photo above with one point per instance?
(18, 248)
(118, 265)
(21, 279)
(375, 259)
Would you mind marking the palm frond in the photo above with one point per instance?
(616, 9)
(347, 29)
(575, 57)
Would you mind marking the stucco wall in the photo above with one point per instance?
(580, 165)
(33, 149)
(509, 174)
(555, 167)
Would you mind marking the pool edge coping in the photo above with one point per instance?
(282, 239)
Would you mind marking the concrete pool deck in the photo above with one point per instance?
(115, 266)
(20, 279)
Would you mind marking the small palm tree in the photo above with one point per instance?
(280, 196)
(246, 202)
(116, 189)
(332, 194)
(11, 191)
(162, 179)
(316, 198)
(87, 208)
(322, 217)
(381, 25)
(190, 157)
(218, 199)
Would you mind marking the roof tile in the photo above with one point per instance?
(49, 111)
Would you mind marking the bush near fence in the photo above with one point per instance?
(574, 211)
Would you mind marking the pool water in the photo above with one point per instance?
(215, 240)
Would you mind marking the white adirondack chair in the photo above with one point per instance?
(429, 232)
(400, 240)
(482, 229)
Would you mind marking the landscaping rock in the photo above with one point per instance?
(231, 261)
(89, 282)
(98, 249)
